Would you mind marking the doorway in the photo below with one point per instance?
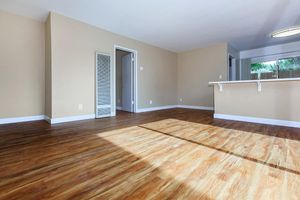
(232, 68)
(125, 73)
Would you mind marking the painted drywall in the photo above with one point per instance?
(277, 100)
(246, 69)
(271, 50)
(65, 49)
(22, 66)
(198, 67)
(236, 55)
(48, 72)
(73, 67)
(233, 51)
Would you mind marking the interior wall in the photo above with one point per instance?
(271, 50)
(235, 54)
(246, 69)
(119, 56)
(48, 71)
(198, 67)
(65, 49)
(73, 67)
(238, 70)
(22, 66)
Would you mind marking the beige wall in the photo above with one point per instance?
(22, 66)
(198, 67)
(73, 67)
(48, 71)
(65, 49)
(277, 100)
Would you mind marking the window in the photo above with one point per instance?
(289, 67)
(281, 68)
(264, 70)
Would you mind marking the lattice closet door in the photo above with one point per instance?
(104, 106)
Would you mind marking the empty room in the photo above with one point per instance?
(174, 99)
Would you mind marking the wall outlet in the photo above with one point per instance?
(180, 100)
(220, 76)
(141, 68)
(80, 106)
(150, 102)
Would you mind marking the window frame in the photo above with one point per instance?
(276, 58)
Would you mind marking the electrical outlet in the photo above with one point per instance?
(150, 102)
(80, 106)
(141, 68)
(180, 100)
(220, 76)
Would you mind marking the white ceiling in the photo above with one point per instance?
(177, 25)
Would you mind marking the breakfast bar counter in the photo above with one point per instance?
(270, 101)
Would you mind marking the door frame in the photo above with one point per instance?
(233, 63)
(135, 77)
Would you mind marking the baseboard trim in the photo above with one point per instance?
(47, 119)
(71, 118)
(90, 116)
(196, 107)
(276, 122)
(21, 119)
(119, 108)
(141, 110)
(174, 106)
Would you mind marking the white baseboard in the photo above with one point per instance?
(277, 122)
(195, 107)
(90, 116)
(21, 119)
(119, 108)
(174, 106)
(141, 110)
(70, 118)
(47, 119)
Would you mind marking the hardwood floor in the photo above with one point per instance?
(170, 154)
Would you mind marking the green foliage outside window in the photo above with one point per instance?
(286, 64)
(289, 64)
(263, 67)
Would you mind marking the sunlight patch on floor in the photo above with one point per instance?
(211, 159)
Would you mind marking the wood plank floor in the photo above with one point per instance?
(170, 154)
